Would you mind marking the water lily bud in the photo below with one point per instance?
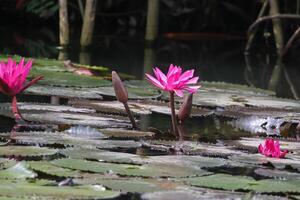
(120, 90)
(186, 108)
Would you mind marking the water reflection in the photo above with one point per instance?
(214, 58)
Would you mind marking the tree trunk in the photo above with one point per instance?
(63, 23)
(88, 23)
(152, 20)
(277, 26)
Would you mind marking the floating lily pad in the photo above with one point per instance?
(26, 151)
(194, 148)
(130, 170)
(36, 138)
(229, 182)
(45, 107)
(234, 88)
(55, 73)
(122, 133)
(75, 119)
(258, 159)
(142, 107)
(277, 174)
(6, 163)
(107, 156)
(134, 185)
(48, 168)
(49, 138)
(27, 190)
(239, 111)
(65, 92)
(133, 92)
(18, 171)
(224, 98)
(190, 194)
(67, 79)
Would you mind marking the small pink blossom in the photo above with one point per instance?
(13, 76)
(175, 80)
(271, 148)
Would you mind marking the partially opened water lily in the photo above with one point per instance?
(271, 148)
(12, 80)
(175, 81)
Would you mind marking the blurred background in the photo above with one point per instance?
(253, 42)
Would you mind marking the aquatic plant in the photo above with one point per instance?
(12, 80)
(122, 95)
(174, 82)
(271, 148)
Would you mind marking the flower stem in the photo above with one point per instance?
(174, 120)
(15, 109)
(134, 126)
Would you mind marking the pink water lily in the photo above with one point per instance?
(175, 81)
(12, 80)
(271, 148)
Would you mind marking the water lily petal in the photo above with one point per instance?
(33, 81)
(154, 81)
(186, 75)
(161, 77)
(193, 80)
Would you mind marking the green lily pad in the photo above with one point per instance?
(26, 151)
(76, 119)
(130, 170)
(239, 111)
(234, 95)
(67, 79)
(128, 134)
(18, 171)
(48, 168)
(190, 194)
(141, 107)
(258, 159)
(55, 73)
(277, 174)
(49, 138)
(134, 185)
(234, 88)
(27, 190)
(101, 155)
(194, 148)
(65, 92)
(32, 107)
(229, 182)
(6, 163)
(133, 93)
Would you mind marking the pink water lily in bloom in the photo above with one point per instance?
(13, 76)
(12, 80)
(175, 80)
(271, 148)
